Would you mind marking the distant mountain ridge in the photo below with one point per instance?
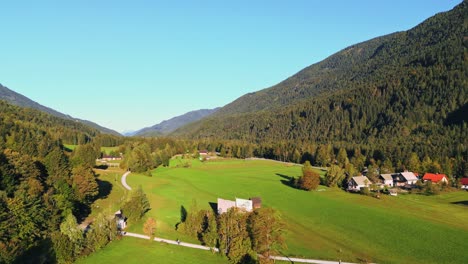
(168, 126)
(23, 101)
(405, 90)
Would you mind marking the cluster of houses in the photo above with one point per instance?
(242, 204)
(404, 179)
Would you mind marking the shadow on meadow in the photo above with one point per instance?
(465, 203)
(287, 180)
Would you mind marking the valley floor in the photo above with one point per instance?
(324, 224)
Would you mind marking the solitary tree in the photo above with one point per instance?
(149, 227)
(309, 179)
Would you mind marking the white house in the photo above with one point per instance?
(405, 178)
(120, 220)
(224, 205)
(386, 179)
(244, 204)
(358, 182)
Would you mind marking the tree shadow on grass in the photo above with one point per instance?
(465, 203)
(183, 216)
(287, 180)
(105, 188)
(102, 167)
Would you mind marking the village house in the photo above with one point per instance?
(404, 179)
(110, 158)
(386, 179)
(256, 202)
(242, 204)
(358, 182)
(435, 178)
(224, 205)
(464, 183)
(120, 220)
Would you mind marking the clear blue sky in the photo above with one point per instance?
(131, 64)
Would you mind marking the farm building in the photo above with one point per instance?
(224, 205)
(435, 178)
(464, 183)
(256, 202)
(358, 182)
(403, 179)
(244, 204)
(386, 179)
(120, 220)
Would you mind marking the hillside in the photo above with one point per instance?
(21, 100)
(400, 93)
(167, 126)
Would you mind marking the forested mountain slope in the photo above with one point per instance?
(167, 126)
(21, 100)
(41, 184)
(400, 93)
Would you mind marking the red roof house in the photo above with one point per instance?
(464, 183)
(435, 178)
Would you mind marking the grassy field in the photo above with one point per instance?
(138, 251)
(111, 192)
(107, 150)
(324, 224)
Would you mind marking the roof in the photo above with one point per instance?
(434, 177)
(244, 204)
(256, 200)
(409, 176)
(361, 180)
(464, 181)
(387, 177)
(224, 205)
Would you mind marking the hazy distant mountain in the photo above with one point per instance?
(406, 90)
(21, 100)
(167, 126)
(128, 133)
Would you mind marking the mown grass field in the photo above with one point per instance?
(324, 224)
(131, 250)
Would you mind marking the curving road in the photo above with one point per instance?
(123, 180)
(190, 245)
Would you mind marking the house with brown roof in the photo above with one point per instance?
(435, 178)
(357, 182)
(256, 202)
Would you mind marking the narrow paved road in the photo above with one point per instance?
(124, 181)
(190, 245)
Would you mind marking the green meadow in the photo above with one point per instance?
(324, 224)
(131, 250)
